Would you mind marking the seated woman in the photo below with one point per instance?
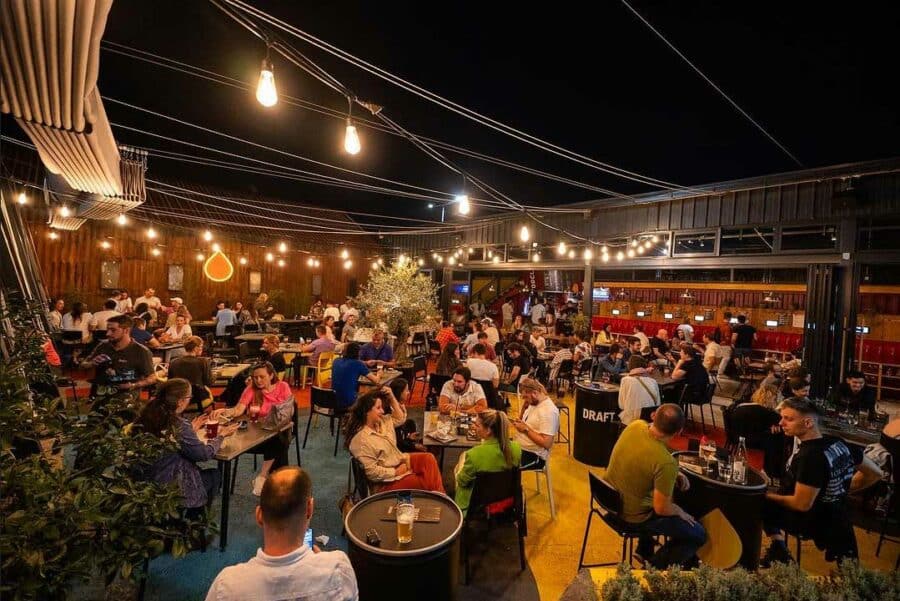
(496, 453)
(449, 360)
(270, 350)
(408, 440)
(265, 395)
(329, 328)
(162, 417)
(371, 439)
(605, 336)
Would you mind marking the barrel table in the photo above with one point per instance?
(597, 424)
(427, 567)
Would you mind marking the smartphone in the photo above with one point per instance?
(308, 538)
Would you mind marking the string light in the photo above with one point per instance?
(630, 253)
(351, 138)
(121, 219)
(572, 253)
(281, 262)
(105, 245)
(22, 198)
(345, 254)
(496, 259)
(421, 262)
(200, 256)
(317, 263)
(463, 201)
(640, 250)
(440, 259)
(266, 93)
(648, 244)
(524, 234)
(348, 264)
(430, 205)
(434, 256)
(242, 260)
(309, 262)
(536, 257)
(634, 242)
(561, 249)
(588, 254)
(207, 235)
(380, 261)
(216, 248)
(604, 257)
(151, 233)
(374, 264)
(655, 238)
(471, 250)
(270, 257)
(282, 247)
(53, 235)
(620, 255)
(155, 252)
(64, 211)
(401, 259)
(451, 260)
(604, 249)
(490, 254)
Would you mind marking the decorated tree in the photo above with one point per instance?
(400, 298)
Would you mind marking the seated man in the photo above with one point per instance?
(637, 390)
(345, 373)
(318, 346)
(489, 352)
(446, 334)
(520, 365)
(632, 347)
(461, 393)
(377, 352)
(644, 472)
(614, 363)
(285, 568)
(537, 425)
(563, 354)
(854, 395)
(195, 368)
(659, 348)
(811, 499)
(140, 334)
(481, 368)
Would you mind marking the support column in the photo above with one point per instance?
(588, 295)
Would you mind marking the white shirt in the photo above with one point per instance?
(299, 575)
(185, 332)
(688, 330)
(633, 396)
(507, 309)
(333, 312)
(55, 320)
(712, 354)
(477, 309)
(343, 308)
(348, 312)
(542, 418)
(539, 343)
(482, 369)
(645, 342)
(100, 317)
(538, 312)
(69, 324)
(153, 302)
(465, 399)
(493, 335)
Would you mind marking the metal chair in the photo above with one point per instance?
(435, 384)
(691, 397)
(606, 503)
(560, 438)
(490, 488)
(545, 471)
(420, 366)
(565, 374)
(323, 401)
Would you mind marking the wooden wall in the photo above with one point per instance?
(71, 268)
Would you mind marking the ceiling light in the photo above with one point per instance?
(655, 238)
(604, 249)
(640, 250)
(648, 244)
(151, 233)
(620, 255)
(345, 254)
(22, 198)
(155, 252)
(496, 259)
(421, 262)
(348, 264)
(316, 263)
(207, 235)
(242, 260)
(374, 264)
(524, 234)
(53, 235)
(430, 205)
(105, 245)
(64, 211)
(630, 252)
(434, 256)
(121, 219)
(309, 262)
(463, 201)
(490, 254)
(536, 257)
(634, 243)
(200, 256)
(588, 254)
(216, 248)
(604, 257)
(351, 139)
(401, 259)
(440, 259)
(471, 250)
(451, 260)
(561, 248)
(281, 262)
(380, 261)
(266, 93)
(282, 248)
(572, 253)
(270, 257)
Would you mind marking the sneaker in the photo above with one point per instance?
(258, 485)
(777, 553)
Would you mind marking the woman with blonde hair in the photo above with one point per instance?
(496, 453)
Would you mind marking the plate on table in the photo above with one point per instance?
(443, 438)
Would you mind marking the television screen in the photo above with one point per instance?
(771, 323)
(616, 312)
(733, 320)
(862, 329)
(601, 294)
(698, 318)
(667, 315)
(460, 288)
(640, 313)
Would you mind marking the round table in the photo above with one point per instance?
(426, 567)
(740, 504)
(597, 425)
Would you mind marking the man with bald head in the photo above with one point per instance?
(286, 568)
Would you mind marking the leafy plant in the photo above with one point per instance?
(399, 297)
(91, 513)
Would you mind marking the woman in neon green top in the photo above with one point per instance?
(495, 454)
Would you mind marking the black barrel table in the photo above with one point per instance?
(427, 567)
(740, 504)
(597, 425)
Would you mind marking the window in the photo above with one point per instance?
(703, 243)
(823, 237)
(745, 241)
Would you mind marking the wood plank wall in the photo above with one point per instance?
(71, 268)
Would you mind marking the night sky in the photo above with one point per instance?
(594, 80)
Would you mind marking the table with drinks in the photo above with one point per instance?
(385, 377)
(727, 494)
(454, 431)
(223, 374)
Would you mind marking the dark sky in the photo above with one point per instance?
(592, 79)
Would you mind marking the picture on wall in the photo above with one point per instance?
(255, 282)
(176, 277)
(317, 284)
(109, 275)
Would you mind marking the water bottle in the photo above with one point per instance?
(739, 464)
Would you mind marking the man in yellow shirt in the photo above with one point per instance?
(644, 472)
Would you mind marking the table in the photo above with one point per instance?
(234, 446)
(252, 337)
(294, 347)
(427, 567)
(460, 442)
(387, 376)
(228, 371)
(597, 424)
(166, 350)
(849, 434)
(740, 504)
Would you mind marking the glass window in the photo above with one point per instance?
(703, 243)
(809, 237)
(743, 241)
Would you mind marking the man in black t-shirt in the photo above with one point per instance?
(812, 496)
(120, 362)
(520, 365)
(659, 348)
(853, 394)
(742, 338)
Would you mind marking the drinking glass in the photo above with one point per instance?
(725, 470)
(253, 410)
(406, 513)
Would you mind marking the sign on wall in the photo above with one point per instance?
(109, 275)
(255, 282)
(176, 277)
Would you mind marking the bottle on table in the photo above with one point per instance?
(739, 463)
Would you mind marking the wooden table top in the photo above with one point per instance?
(387, 376)
(431, 421)
(243, 440)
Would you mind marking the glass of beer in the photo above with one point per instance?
(212, 428)
(253, 410)
(406, 513)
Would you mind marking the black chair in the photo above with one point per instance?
(567, 438)
(419, 343)
(893, 447)
(361, 488)
(435, 384)
(565, 374)
(419, 372)
(490, 394)
(490, 488)
(606, 503)
(754, 423)
(690, 396)
(245, 352)
(322, 401)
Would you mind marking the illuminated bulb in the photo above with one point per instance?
(463, 201)
(401, 259)
(105, 245)
(572, 253)
(309, 262)
(630, 253)
(216, 248)
(345, 254)
(634, 243)
(266, 93)
(22, 198)
(348, 264)
(316, 263)
(351, 139)
(421, 262)
(374, 264)
(242, 260)
(282, 248)
(534, 245)
(64, 211)
(561, 249)
(524, 234)
(200, 256)
(53, 235)
(620, 255)
(588, 254)
(207, 235)
(121, 219)
(430, 205)
(281, 262)
(648, 244)
(434, 256)
(640, 250)
(155, 252)
(655, 238)
(604, 257)
(496, 259)
(490, 254)
(452, 260)
(471, 250)
(536, 257)
(604, 249)
(151, 233)
(440, 259)
(270, 257)
(380, 261)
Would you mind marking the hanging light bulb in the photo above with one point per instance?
(266, 93)
(648, 244)
(463, 201)
(496, 259)
(309, 262)
(22, 199)
(348, 264)
(270, 257)
(640, 250)
(151, 233)
(588, 254)
(216, 248)
(121, 219)
(430, 205)
(351, 138)
(401, 259)
(434, 256)
(316, 263)
(630, 252)
(64, 211)
(374, 264)
(242, 260)
(440, 259)
(604, 257)
(561, 249)
(380, 261)
(572, 253)
(620, 255)
(655, 238)
(536, 257)
(281, 262)
(490, 254)
(155, 252)
(524, 234)
(451, 261)
(634, 242)
(471, 250)
(604, 249)
(345, 254)
(421, 262)
(282, 248)
(207, 235)
(200, 256)
(105, 245)
(53, 235)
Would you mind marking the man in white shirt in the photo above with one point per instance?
(637, 390)
(507, 309)
(285, 567)
(347, 309)
(712, 355)
(538, 341)
(98, 321)
(538, 312)
(461, 394)
(481, 368)
(150, 298)
(477, 309)
(487, 325)
(177, 303)
(645, 342)
(332, 311)
(537, 425)
(125, 305)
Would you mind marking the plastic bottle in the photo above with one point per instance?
(739, 464)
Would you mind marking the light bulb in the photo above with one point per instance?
(309, 262)
(471, 250)
(374, 264)
(105, 245)
(270, 257)
(22, 198)
(351, 139)
(561, 249)
(440, 259)
(604, 257)
(572, 253)
(64, 211)
(434, 256)
(401, 259)
(452, 260)
(207, 235)
(281, 262)
(155, 252)
(348, 264)
(265, 89)
(380, 261)
(524, 234)
(430, 205)
(534, 245)
(345, 254)
(490, 254)
(604, 249)
(496, 259)
(242, 260)
(648, 244)
(316, 263)
(282, 248)
(588, 254)
(620, 255)
(655, 238)
(421, 262)
(536, 257)
(151, 233)
(463, 200)
(634, 243)
(121, 219)
(640, 250)
(216, 248)
(200, 256)
(630, 253)
(53, 235)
